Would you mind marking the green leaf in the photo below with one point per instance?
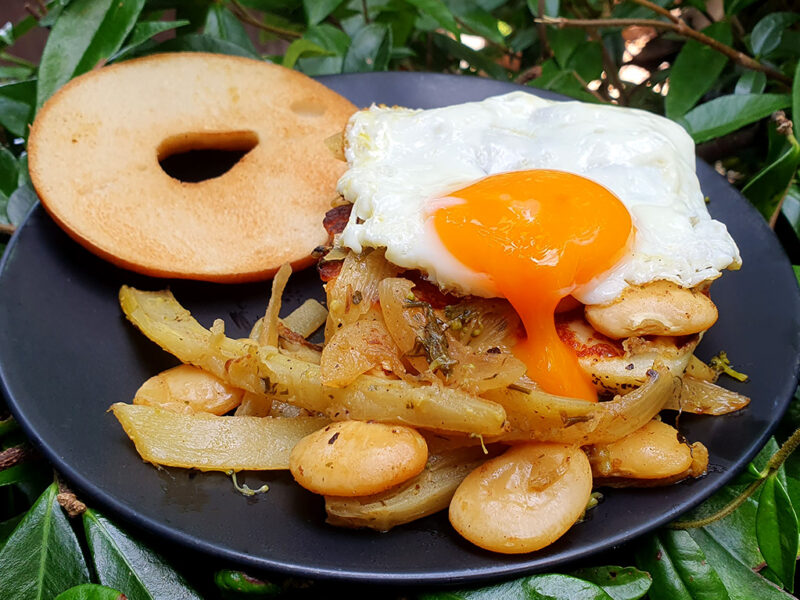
(145, 31)
(124, 564)
(733, 7)
(729, 113)
(741, 582)
(791, 210)
(20, 204)
(90, 591)
(475, 59)
(86, 33)
(16, 106)
(369, 49)
(8, 526)
(42, 557)
(561, 81)
(695, 71)
(242, 583)
(796, 96)
(777, 530)
(15, 72)
(477, 20)
(7, 426)
(318, 10)
(796, 276)
(333, 40)
(737, 531)
(769, 186)
(510, 590)
(299, 48)
(439, 12)
(564, 42)
(751, 82)
(621, 583)
(587, 61)
(679, 568)
(17, 473)
(221, 23)
(8, 172)
(562, 587)
(766, 35)
(199, 42)
(551, 7)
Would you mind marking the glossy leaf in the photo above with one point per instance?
(562, 587)
(477, 20)
(562, 81)
(551, 7)
(621, 583)
(796, 96)
(536, 587)
(733, 7)
(125, 564)
(17, 473)
(16, 106)
(117, 24)
(198, 42)
(729, 113)
(8, 526)
(737, 531)
(20, 204)
(768, 187)
(564, 42)
(695, 71)
(510, 590)
(777, 530)
(8, 172)
(751, 82)
(587, 61)
(369, 49)
(741, 582)
(144, 32)
(86, 32)
(766, 35)
(222, 24)
(474, 59)
(678, 568)
(90, 591)
(245, 585)
(318, 10)
(299, 48)
(331, 39)
(42, 557)
(439, 12)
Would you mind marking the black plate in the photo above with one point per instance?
(67, 353)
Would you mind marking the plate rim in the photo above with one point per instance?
(152, 527)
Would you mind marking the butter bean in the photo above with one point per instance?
(523, 500)
(652, 452)
(656, 308)
(355, 458)
(186, 389)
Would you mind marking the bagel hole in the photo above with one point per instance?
(195, 157)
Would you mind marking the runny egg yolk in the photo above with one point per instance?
(538, 235)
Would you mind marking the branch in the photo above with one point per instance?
(14, 455)
(680, 28)
(244, 15)
(773, 464)
(660, 10)
(7, 229)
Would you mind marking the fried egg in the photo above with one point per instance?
(532, 200)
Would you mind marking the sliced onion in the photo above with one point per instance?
(537, 415)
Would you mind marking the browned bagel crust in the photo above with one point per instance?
(93, 157)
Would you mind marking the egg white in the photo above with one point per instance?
(402, 161)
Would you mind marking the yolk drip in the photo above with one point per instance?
(538, 235)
